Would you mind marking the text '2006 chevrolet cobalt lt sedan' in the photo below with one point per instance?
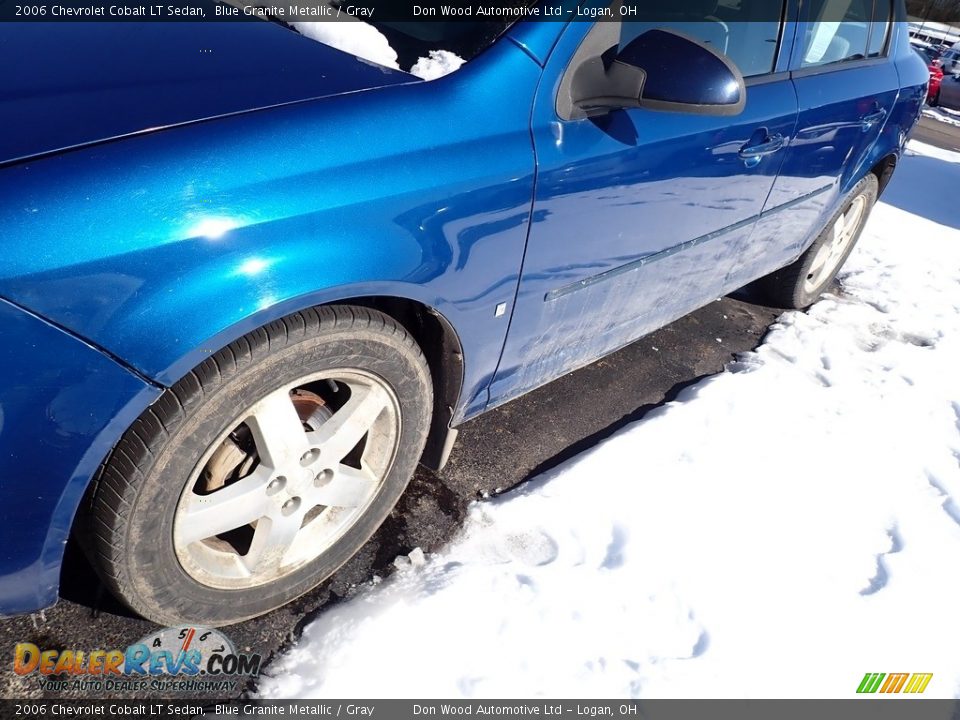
(244, 291)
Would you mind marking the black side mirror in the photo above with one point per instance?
(663, 70)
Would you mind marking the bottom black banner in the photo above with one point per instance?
(873, 708)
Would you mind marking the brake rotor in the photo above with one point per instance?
(237, 455)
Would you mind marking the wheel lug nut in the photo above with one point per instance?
(290, 506)
(309, 457)
(276, 485)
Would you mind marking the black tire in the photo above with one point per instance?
(787, 287)
(131, 507)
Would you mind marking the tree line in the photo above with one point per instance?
(946, 11)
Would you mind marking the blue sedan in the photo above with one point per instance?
(249, 280)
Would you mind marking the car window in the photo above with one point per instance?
(880, 28)
(746, 31)
(841, 30)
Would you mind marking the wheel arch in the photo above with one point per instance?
(884, 171)
(430, 328)
(440, 343)
(434, 332)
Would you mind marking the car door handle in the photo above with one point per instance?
(868, 121)
(753, 154)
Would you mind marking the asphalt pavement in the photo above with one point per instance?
(934, 132)
(495, 452)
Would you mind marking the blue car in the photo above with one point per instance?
(250, 280)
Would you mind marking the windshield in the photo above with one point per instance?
(428, 47)
(466, 38)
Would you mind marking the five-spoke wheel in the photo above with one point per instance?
(264, 470)
(289, 477)
(827, 260)
(800, 284)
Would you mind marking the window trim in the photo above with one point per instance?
(837, 66)
(889, 22)
(773, 77)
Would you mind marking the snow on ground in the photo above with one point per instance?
(781, 529)
(944, 115)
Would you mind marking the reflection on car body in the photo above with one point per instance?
(245, 292)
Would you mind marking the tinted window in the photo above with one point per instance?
(746, 31)
(842, 30)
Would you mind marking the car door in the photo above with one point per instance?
(637, 213)
(847, 87)
(950, 92)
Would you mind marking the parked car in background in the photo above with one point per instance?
(950, 61)
(930, 57)
(245, 291)
(930, 52)
(948, 95)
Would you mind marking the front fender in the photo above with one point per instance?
(165, 247)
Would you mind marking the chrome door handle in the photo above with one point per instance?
(753, 154)
(868, 121)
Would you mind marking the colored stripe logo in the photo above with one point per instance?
(913, 683)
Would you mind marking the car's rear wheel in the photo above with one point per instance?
(800, 284)
(265, 469)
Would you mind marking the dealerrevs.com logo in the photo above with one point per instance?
(185, 658)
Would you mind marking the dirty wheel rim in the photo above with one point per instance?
(287, 479)
(831, 253)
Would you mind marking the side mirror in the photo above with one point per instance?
(665, 70)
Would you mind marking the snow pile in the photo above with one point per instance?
(944, 115)
(357, 38)
(798, 512)
(438, 64)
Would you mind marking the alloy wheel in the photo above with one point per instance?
(287, 479)
(832, 252)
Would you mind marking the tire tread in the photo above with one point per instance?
(113, 493)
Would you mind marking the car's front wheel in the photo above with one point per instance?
(264, 470)
(800, 284)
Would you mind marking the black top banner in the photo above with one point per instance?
(419, 11)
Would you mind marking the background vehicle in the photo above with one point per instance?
(950, 61)
(246, 297)
(936, 74)
(949, 92)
